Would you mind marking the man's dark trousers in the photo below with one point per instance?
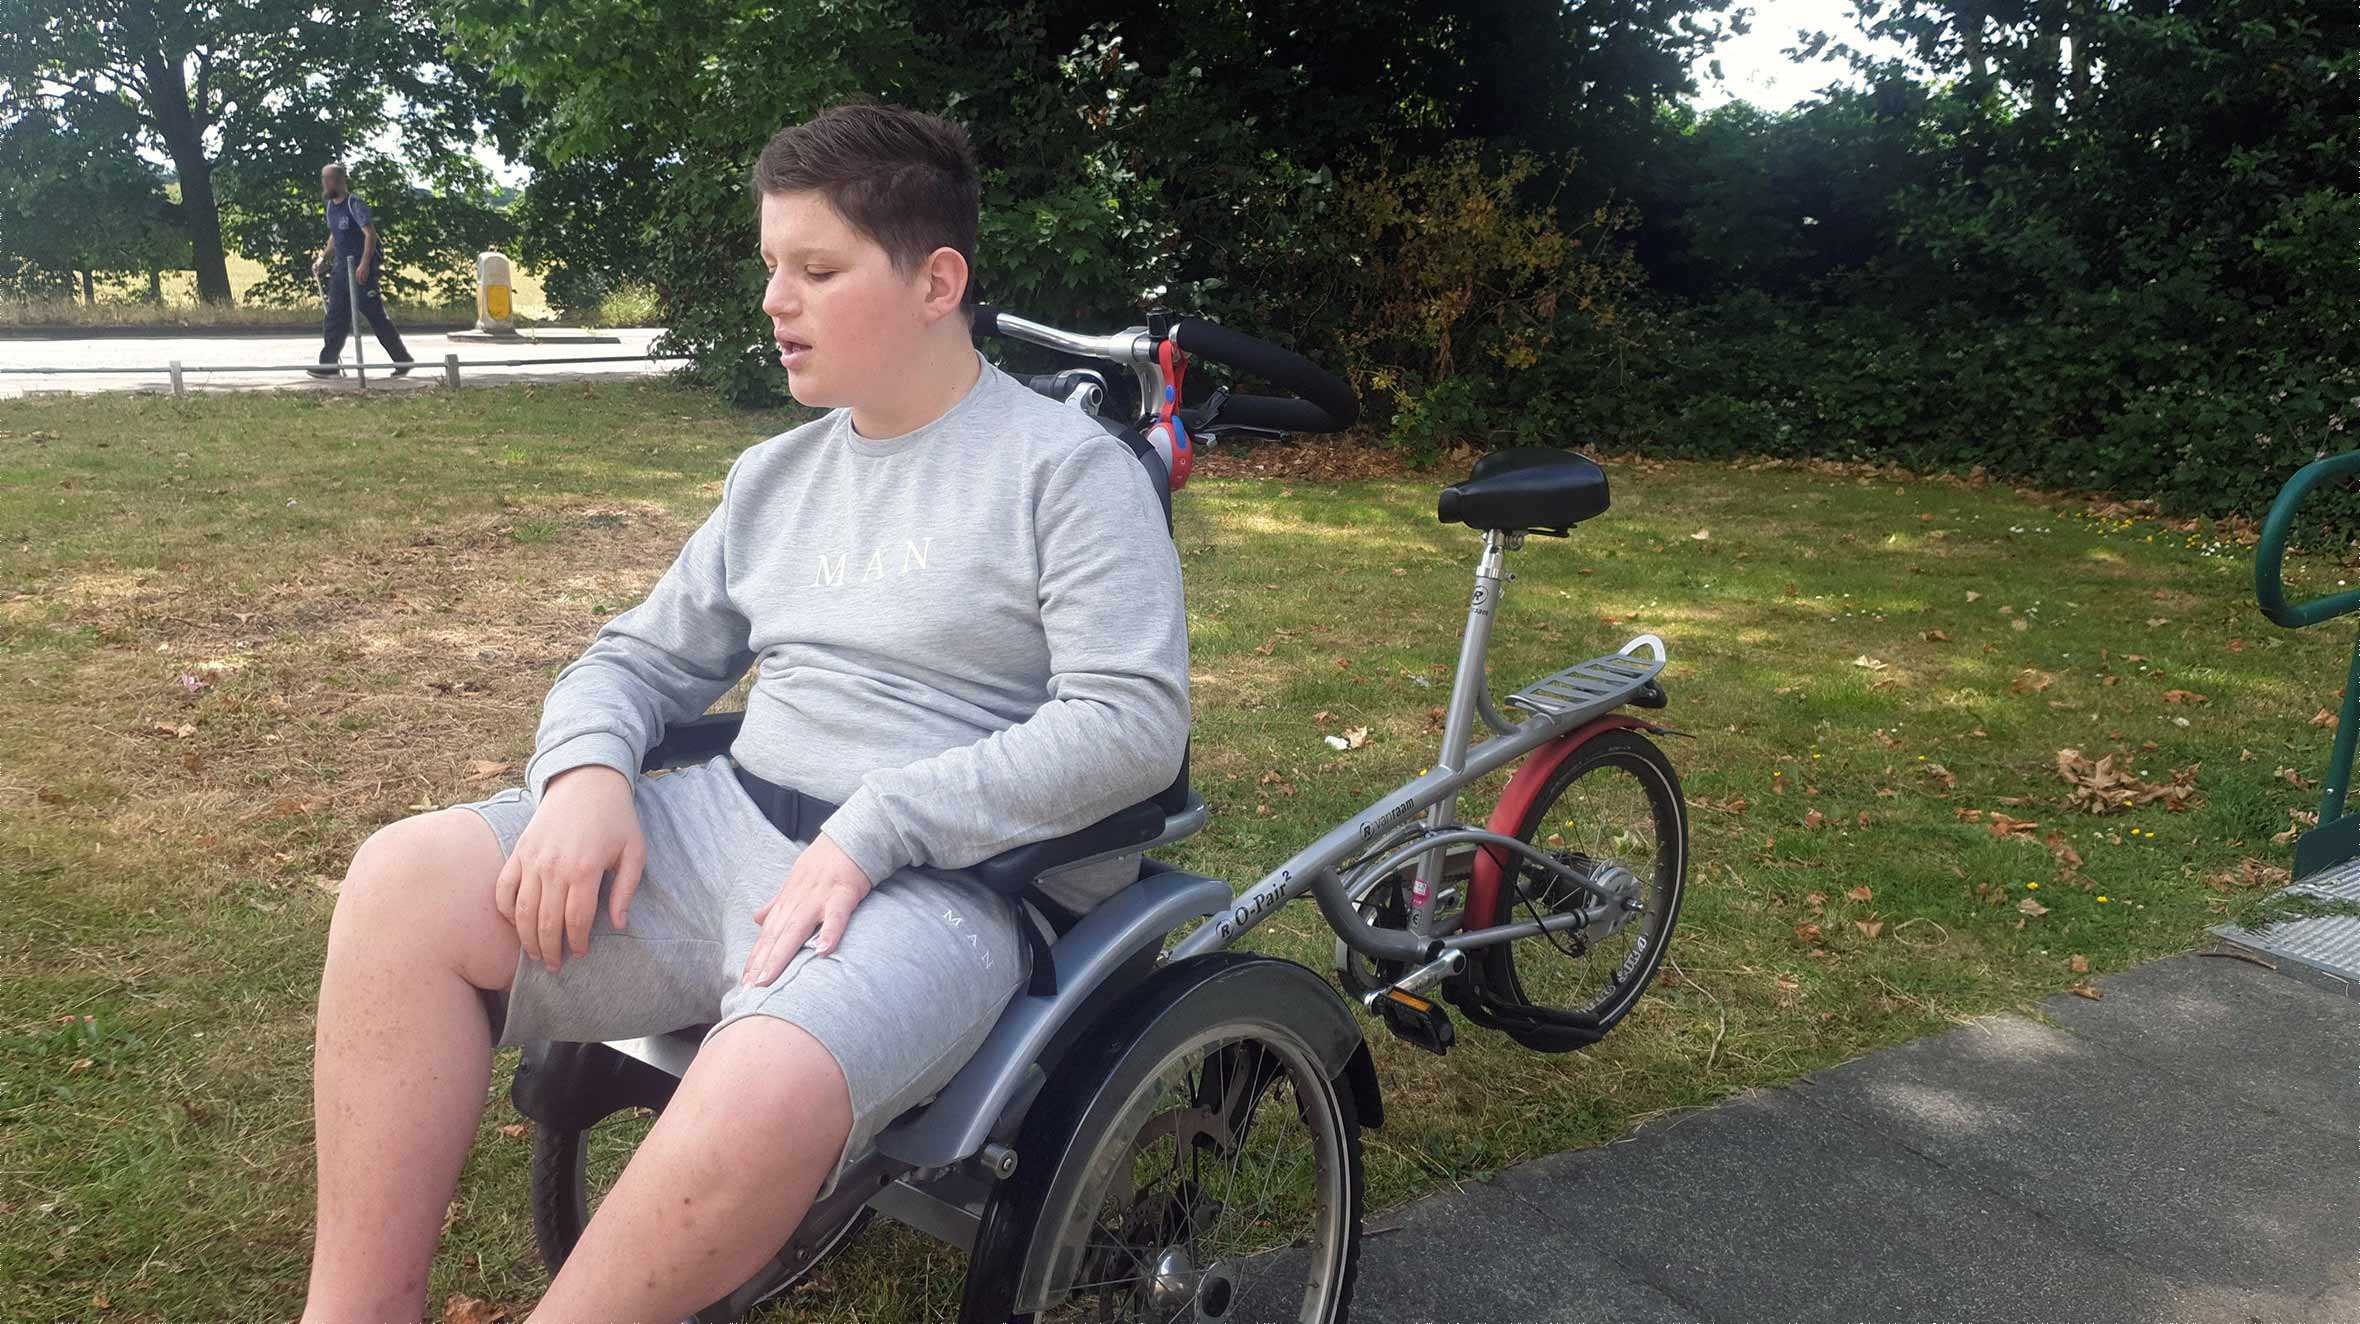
(339, 321)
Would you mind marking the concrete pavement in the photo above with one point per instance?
(131, 357)
(2184, 1151)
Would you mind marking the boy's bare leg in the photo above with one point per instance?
(723, 1177)
(403, 1056)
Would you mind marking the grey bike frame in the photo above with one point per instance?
(1384, 824)
(1387, 823)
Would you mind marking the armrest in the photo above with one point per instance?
(685, 743)
(1010, 872)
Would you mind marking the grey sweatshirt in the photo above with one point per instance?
(972, 636)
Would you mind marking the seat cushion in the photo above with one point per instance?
(1526, 488)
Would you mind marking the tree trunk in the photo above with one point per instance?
(2048, 53)
(2084, 33)
(155, 287)
(184, 137)
(89, 290)
(1970, 40)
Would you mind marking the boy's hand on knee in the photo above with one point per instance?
(818, 897)
(586, 826)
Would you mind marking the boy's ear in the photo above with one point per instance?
(946, 281)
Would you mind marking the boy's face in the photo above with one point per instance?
(847, 324)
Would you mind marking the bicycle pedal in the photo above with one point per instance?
(1417, 1021)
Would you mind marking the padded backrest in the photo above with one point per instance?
(1174, 797)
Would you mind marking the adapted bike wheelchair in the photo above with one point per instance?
(1175, 1134)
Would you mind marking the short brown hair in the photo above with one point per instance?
(903, 178)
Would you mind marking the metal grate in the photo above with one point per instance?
(2320, 949)
(1600, 682)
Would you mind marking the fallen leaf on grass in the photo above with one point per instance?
(1814, 819)
(2067, 858)
(460, 1308)
(1867, 663)
(1935, 637)
(1859, 894)
(2303, 818)
(2086, 989)
(2004, 826)
(1941, 774)
(1869, 928)
(1807, 932)
(2324, 718)
(2030, 681)
(2032, 907)
(2080, 964)
(2105, 787)
(2185, 696)
(483, 770)
(2248, 873)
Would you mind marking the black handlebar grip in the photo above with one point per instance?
(1274, 413)
(1328, 405)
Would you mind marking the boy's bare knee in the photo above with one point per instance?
(430, 878)
(764, 1066)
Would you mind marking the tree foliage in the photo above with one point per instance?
(1191, 152)
(247, 99)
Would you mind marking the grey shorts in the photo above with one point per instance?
(923, 972)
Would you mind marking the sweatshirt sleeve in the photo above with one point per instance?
(1115, 727)
(663, 661)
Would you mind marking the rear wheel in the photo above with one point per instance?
(1201, 1162)
(573, 1170)
(1612, 811)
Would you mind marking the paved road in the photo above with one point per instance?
(2185, 1151)
(130, 353)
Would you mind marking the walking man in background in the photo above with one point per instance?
(352, 239)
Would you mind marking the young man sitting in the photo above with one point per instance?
(966, 629)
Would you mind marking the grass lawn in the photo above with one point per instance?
(239, 633)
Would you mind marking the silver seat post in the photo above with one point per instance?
(1467, 696)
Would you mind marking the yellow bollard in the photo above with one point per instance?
(492, 304)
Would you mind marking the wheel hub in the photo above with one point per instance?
(1179, 1285)
(1617, 902)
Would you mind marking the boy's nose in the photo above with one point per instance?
(775, 300)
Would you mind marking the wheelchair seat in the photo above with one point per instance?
(1526, 489)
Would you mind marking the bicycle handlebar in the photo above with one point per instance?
(1326, 404)
(2269, 577)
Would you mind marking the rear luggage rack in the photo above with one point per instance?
(1596, 686)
